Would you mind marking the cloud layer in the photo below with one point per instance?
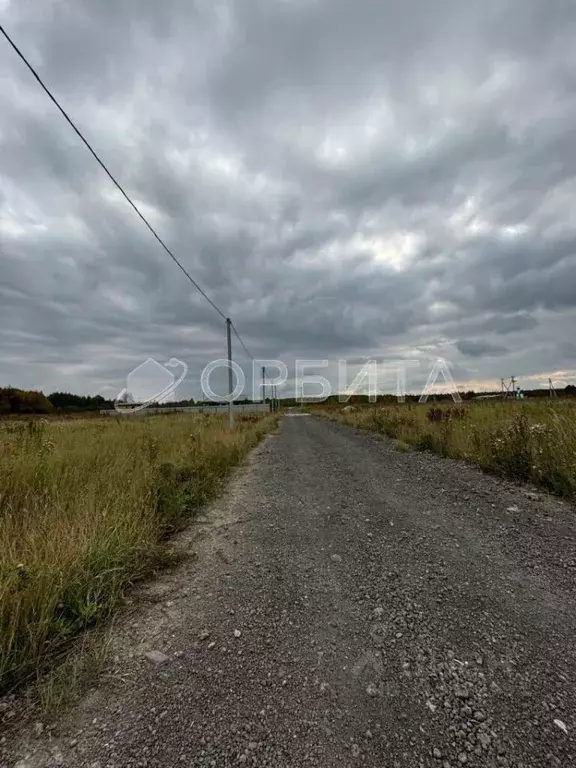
(344, 179)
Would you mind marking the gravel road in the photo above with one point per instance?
(345, 605)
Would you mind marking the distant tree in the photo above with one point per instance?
(23, 401)
(69, 403)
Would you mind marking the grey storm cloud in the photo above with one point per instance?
(479, 348)
(344, 179)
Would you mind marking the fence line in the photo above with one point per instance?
(237, 408)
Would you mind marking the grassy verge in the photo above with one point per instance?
(84, 507)
(527, 441)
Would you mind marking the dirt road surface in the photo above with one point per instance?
(347, 605)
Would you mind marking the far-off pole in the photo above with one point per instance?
(264, 384)
(230, 372)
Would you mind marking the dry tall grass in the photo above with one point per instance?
(531, 441)
(83, 507)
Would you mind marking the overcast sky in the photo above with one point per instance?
(345, 178)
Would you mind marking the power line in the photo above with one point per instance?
(118, 185)
(241, 342)
(111, 177)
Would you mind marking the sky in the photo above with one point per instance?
(346, 179)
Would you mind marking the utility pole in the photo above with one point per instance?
(509, 388)
(551, 389)
(264, 384)
(230, 372)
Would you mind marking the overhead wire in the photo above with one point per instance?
(108, 173)
(119, 186)
(241, 342)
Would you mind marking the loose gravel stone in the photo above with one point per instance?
(157, 657)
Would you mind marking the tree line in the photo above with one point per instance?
(19, 401)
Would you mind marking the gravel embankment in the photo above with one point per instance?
(348, 605)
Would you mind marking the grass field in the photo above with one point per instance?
(530, 441)
(84, 508)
